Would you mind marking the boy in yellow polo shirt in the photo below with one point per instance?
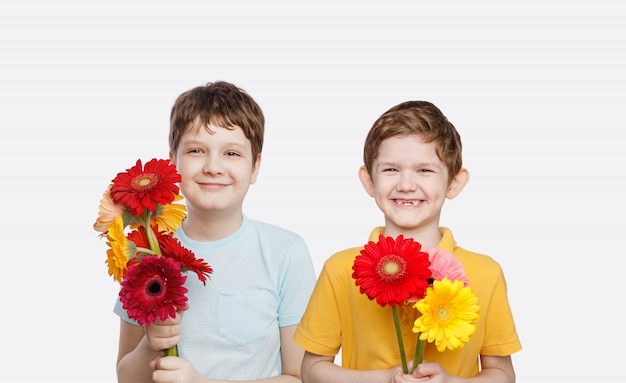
(412, 164)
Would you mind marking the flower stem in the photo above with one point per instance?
(152, 239)
(145, 250)
(396, 321)
(172, 351)
(419, 351)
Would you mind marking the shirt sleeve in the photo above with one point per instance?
(319, 332)
(297, 278)
(500, 334)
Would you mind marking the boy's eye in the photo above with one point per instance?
(232, 154)
(390, 170)
(194, 150)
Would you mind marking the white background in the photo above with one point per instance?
(536, 89)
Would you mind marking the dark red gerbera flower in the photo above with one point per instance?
(392, 271)
(153, 289)
(172, 248)
(142, 188)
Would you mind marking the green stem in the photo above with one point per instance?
(152, 239)
(144, 250)
(172, 351)
(396, 321)
(419, 351)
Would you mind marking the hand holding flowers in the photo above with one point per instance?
(138, 217)
(398, 271)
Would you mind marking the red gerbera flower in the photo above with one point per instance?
(153, 289)
(172, 248)
(139, 238)
(142, 188)
(392, 271)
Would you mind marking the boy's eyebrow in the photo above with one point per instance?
(227, 144)
(397, 164)
(235, 144)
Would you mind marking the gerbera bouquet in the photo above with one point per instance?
(399, 271)
(138, 215)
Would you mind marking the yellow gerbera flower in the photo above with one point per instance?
(120, 249)
(169, 217)
(449, 311)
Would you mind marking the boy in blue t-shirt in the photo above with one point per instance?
(240, 325)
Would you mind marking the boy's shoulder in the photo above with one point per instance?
(477, 263)
(448, 243)
(342, 261)
(480, 257)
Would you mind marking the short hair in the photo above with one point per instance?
(222, 104)
(420, 118)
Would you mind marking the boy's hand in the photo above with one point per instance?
(433, 372)
(162, 335)
(398, 376)
(170, 369)
(401, 377)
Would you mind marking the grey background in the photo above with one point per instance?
(536, 89)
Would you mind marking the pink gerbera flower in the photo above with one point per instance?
(153, 289)
(445, 265)
(107, 211)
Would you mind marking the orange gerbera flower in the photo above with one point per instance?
(169, 217)
(392, 270)
(121, 251)
(141, 188)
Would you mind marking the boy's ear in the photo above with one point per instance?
(172, 158)
(366, 181)
(458, 183)
(255, 169)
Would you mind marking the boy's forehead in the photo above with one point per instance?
(403, 140)
(214, 123)
(404, 147)
(198, 127)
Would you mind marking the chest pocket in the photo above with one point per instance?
(246, 315)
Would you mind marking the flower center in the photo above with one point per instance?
(155, 287)
(144, 181)
(443, 313)
(391, 267)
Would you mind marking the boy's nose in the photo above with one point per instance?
(213, 166)
(406, 184)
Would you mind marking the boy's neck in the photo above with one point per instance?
(427, 236)
(212, 228)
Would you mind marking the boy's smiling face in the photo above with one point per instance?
(409, 184)
(216, 168)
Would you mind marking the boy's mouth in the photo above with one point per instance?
(406, 202)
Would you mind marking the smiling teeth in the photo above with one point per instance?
(406, 203)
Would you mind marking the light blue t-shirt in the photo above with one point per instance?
(262, 279)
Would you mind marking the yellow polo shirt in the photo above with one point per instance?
(339, 316)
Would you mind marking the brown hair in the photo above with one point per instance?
(219, 103)
(416, 118)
